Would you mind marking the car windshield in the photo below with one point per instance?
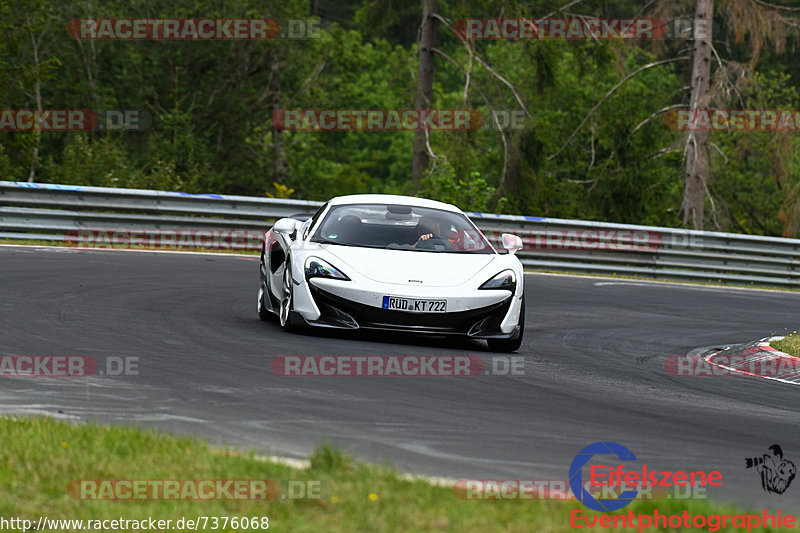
(401, 227)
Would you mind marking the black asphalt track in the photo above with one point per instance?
(594, 350)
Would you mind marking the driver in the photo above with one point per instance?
(427, 228)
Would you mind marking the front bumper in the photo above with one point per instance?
(481, 323)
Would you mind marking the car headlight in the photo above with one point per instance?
(318, 268)
(505, 280)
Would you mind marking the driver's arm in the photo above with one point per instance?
(423, 237)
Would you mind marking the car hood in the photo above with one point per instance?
(405, 267)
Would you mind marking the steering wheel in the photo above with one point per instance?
(434, 243)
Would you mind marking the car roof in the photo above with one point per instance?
(392, 199)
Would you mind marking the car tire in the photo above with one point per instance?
(264, 313)
(510, 345)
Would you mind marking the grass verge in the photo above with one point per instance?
(40, 457)
(789, 344)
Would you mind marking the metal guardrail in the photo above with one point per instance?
(95, 216)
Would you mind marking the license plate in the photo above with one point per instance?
(414, 306)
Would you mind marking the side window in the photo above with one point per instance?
(314, 220)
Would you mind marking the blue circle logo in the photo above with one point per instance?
(576, 476)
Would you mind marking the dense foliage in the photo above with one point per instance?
(211, 103)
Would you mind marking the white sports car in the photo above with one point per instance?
(397, 263)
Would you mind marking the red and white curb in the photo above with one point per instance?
(763, 355)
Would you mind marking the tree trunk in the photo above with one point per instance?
(696, 170)
(280, 168)
(37, 87)
(425, 84)
(37, 133)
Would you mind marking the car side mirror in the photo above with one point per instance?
(286, 227)
(511, 242)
